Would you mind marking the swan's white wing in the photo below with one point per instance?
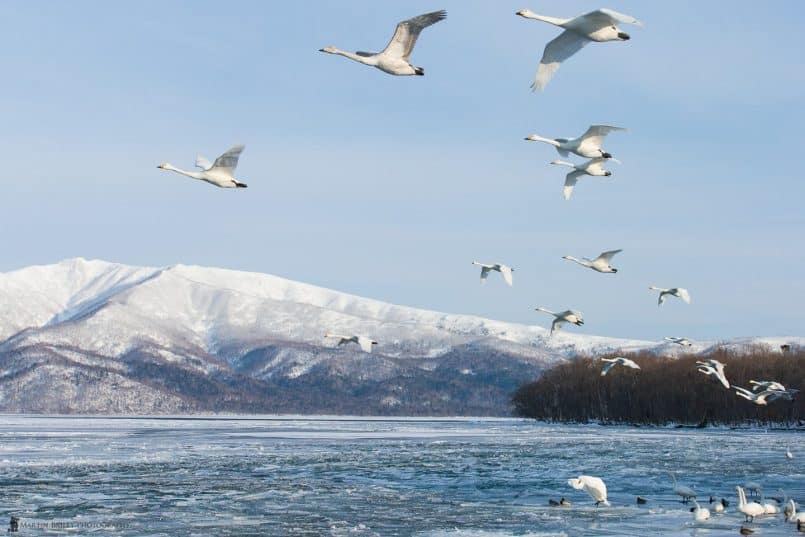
(606, 368)
(620, 17)
(563, 47)
(203, 163)
(596, 133)
(507, 274)
(556, 325)
(407, 32)
(365, 343)
(570, 181)
(228, 161)
(684, 295)
(662, 298)
(607, 17)
(631, 363)
(607, 256)
(484, 274)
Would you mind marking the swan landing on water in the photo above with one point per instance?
(394, 58)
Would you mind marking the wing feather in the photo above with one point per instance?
(556, 51)
(407, 32)
(229, 160)
(570, 181)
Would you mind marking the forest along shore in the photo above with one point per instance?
(666, 390)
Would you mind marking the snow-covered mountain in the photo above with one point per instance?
(93, 336)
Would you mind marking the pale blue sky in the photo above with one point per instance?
(389, 187)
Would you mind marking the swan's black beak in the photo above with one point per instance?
(322, 50)
(604, 154)
(623, 36)
(614, 270)
(419, 71)
(579, 323)
(608, 174)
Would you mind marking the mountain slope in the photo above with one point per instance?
(92, 336)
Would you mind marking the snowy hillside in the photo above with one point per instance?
(92, 336)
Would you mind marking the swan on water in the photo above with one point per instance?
(685, 342)
(504, 270)
(618, 360)
(599, 25)
(674, 291)
(587, 145)
(749, 509)
(593, 167)
(593, 486)
(394, 58)
(567, 316)
(364, 342)
(788, 454)
(599, 264)
(219, 173)
(715, 368)
(769, 507)
(699, 513)
(717, 505)
(685, 492)
(791, 514)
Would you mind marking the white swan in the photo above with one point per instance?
(788, 454)
(685, 342)
(599, 25)
(394, 58)
(594, 167)
(599, 264)
(770, 507)
(717, 505)
(749, 509)
(594, 486)
(715, 368)
(364, 342)
(504, 270)
(685, 492)
(700, 513)
(618, 360)
(760, 399)
(567, 316)
(767, 385)
(791, 514)
(219, 173)
(678, 292)
(587, 145)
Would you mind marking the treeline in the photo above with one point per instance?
(665, 390)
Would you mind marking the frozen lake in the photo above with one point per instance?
(362, 477)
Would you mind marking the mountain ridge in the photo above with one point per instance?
(94, 336)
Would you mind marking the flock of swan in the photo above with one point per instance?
(597, 490)
(597, 26)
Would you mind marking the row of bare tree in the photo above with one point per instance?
(665, 390)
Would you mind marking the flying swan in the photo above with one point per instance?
(685, 342)
(599, 264)
(364, 342)
(394, 58)
(594, 167)
(618, 360)
(715, 368)
(504, 270)
(599, 26)
(219, 173)
(587, 145)
(674, 291)
(567, 316)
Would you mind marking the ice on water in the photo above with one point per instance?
(341, 476)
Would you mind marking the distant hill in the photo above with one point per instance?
(96, 337)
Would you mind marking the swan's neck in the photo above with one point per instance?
(354, 57)
(537, 138)
(550, 20)
(584, 262)
(194, 175)
(546, 311)
(563, 163)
